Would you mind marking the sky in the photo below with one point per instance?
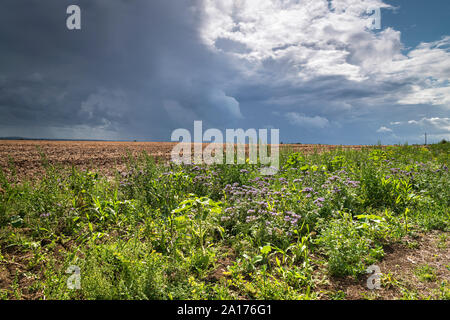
(314, 69)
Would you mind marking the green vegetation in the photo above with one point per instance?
(221, 231)
(426, 273)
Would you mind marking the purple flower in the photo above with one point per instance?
(282, 180)
(318, 202)
(308, 190)
(353, 184)
(336, 190)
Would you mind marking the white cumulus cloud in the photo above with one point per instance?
(304, 121)
(310, 39)
(384, 130)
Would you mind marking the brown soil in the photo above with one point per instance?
(17, 277)
(27, 159)
(222, 266)
(400, 276)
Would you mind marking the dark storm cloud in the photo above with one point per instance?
(117, 72)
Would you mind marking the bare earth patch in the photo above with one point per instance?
(415, 268)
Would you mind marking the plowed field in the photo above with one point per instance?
(104, 156)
